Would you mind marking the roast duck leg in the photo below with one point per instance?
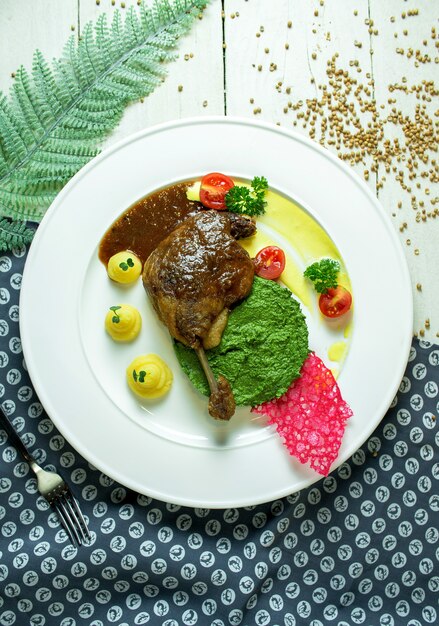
(193, 277)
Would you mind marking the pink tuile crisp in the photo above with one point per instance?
(311, 416)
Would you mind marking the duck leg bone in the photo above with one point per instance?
(221, 401)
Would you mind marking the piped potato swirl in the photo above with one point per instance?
(148, 376)
(123, 322)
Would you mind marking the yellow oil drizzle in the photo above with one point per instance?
(348, 329)
(304, 234)
(337, 351)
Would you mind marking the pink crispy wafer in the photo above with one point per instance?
(311, 416)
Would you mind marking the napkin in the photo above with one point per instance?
(358, 547)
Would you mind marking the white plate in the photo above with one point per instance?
(174, 451)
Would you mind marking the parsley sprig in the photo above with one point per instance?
(323, 274)
(250, 201)
(116, 317)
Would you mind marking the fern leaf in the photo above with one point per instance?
(14, 234)
(23, 102)
(56, 116)
(46, 90)
(13, 145)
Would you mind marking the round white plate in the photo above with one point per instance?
(172, 449)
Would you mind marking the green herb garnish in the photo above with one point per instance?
(116, 318)
(129, 263)
(240, 199)
(323, 274)
(139, 376)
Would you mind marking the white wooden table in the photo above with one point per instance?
(295, 63)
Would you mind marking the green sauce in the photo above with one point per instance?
(262, 348)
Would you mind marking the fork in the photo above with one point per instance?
(53, 488)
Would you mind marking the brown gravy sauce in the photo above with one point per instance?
(147, 222)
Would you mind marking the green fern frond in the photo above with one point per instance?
(14, 234)
(56, 115)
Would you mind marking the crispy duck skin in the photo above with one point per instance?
(196, 272)
(192, 276)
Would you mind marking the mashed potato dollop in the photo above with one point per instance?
(148, 376)
(123, 322)
(124, 267)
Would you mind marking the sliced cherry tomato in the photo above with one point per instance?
(270, 262)
(213, 190)
(335, 302)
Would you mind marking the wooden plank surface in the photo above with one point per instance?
(406, 67)
(30, 24)
(325, 69)
(358, 76)
(291, 51)
(189, 89)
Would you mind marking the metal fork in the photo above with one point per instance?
(54, 489)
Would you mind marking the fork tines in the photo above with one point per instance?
(72, 518)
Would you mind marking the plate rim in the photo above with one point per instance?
(230, 120)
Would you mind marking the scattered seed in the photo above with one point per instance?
(345, 117)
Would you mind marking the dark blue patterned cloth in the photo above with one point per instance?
(359, 547)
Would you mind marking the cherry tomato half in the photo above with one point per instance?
(270, 262)
(335, 302)
(213, 190)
